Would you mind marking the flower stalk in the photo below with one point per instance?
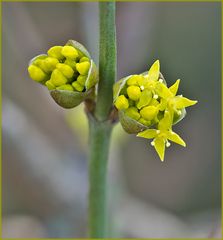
(107, 59)
(100, 125)
(99, 146)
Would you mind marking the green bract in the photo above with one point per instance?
(67, 71)
(144, 101)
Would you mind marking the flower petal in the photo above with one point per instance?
(154, 71)
(166, 122)
(159, 144)
(144, 99)
(163, 91)
(142, 81)
(174, 87)
(172, 136)
(182, 102)
(149, 133)
(163, 104)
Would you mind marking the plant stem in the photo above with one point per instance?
(99, 146)
(107, 59)
(100, 126)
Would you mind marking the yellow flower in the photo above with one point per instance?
(172, 102)
(162, 135)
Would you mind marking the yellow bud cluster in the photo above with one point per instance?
(63, 68)
(146, 100)
(137, 102)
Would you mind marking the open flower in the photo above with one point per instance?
(162, 135)
(174, 103)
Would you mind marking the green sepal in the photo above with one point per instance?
(92, 77)
(177, 118)
(130, 125)
(40, 56)
(118, 86)
(70, 99)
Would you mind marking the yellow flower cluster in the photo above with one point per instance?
(147, 100)
(63, 68)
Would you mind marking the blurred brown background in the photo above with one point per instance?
(44, 163)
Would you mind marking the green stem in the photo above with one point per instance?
(99, 146)
(107, 59)
(100, 126)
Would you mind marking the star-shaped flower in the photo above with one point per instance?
(171, 102)
(162, 135)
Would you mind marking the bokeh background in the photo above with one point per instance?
(44, 164)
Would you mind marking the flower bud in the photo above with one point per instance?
(55, 52)
(134, 80)
(67, 87)
(50, 85)
(57, 78)
(133, 113)
(36, 73)
(77, 86)
(145, 122)
(81, 79)
(83, 67)
(67, 71)
(84, 59)
(69, 52)
(134, 92)
(121, 102)
(71, 63)
(149, 112)
(50, 63)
